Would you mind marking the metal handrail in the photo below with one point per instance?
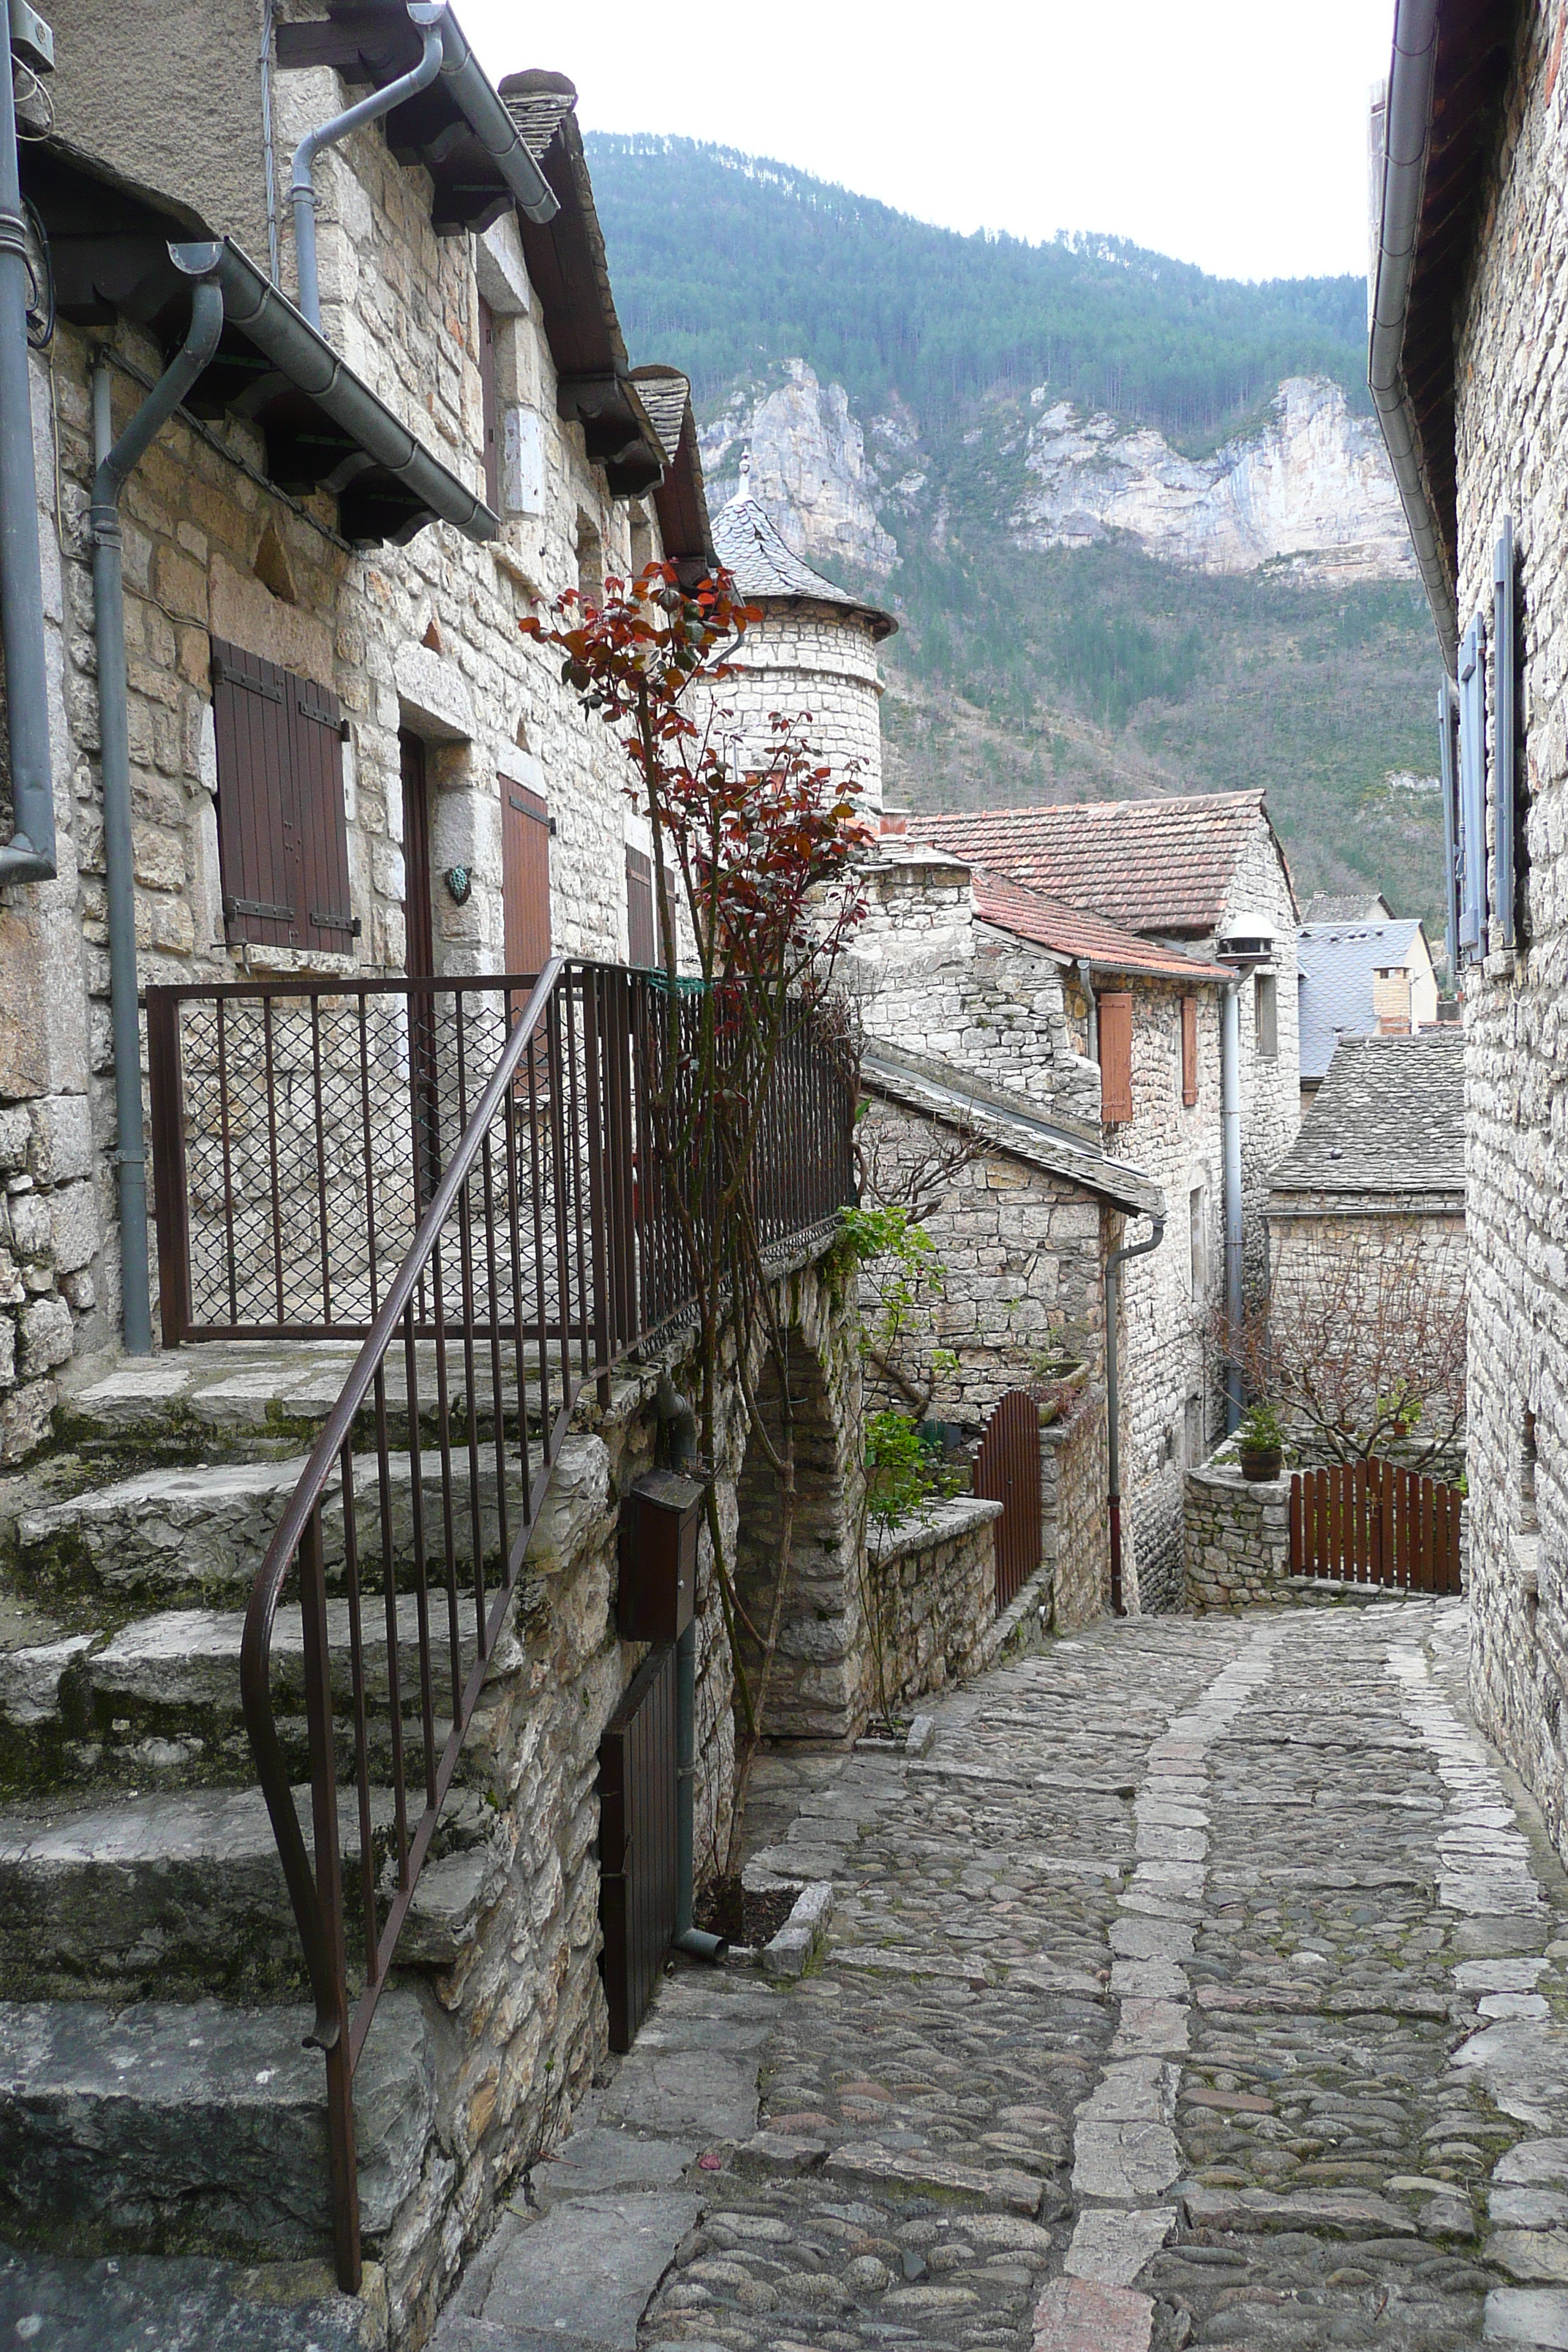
(577, 1222)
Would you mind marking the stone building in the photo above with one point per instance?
(1366, 1214)
(1469, 321)
(813, 654)
(473, 816)
(337, 761)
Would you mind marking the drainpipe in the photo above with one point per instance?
(427, 15)
(1085, 982)
(1113, 1265)
(114, 461)
(1230, 1127)
(29, 855)
(678, 1431)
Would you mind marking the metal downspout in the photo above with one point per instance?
(1091, 1030)
(29, 855)
(1230, 1129)
(427, 15)
(1407, 127)
(114, 461)
(1113, 1265)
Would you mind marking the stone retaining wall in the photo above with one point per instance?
(1075, 1524)
(1237, 1538)
(931, 1598)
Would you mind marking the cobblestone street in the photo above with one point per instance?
(1200, 1986)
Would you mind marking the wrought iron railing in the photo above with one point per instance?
(537, 1246)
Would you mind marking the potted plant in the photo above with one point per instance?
(1260, 1442)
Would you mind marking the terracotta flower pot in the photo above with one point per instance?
(1262, 1464)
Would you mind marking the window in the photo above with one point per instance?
(1189, 1051)
(1266, 1017)
(490, 407)
(1116, 1059)
(283, 844)
(1197, 1241)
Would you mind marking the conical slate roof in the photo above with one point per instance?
(766, 571)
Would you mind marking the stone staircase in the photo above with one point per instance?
(156, 2095)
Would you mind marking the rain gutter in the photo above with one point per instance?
(1407, 131)
(473, 94)
(299, 352)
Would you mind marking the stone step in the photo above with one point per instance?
(198, 2127)
(162, 1695)
(200, 1533)
(183, 2303)
(183, 1892)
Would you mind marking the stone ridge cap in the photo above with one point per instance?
(1251, 795)
(938, 1521)
(936, 1091)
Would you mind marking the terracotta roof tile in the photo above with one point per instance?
(1076, 933)
(1152, 864)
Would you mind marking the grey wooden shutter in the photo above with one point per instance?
(258, 822)
(1505, 729)
(1473, 794)
(1449, 768)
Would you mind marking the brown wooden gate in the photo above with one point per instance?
(1375, 1523)
(638, 1859)
(1007, 1471)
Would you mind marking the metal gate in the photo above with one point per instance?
(1375, 1523)
(1007, 1471)
(636, 1842)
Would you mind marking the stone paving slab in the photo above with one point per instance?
(141, 2304)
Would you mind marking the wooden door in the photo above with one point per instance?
(419, 959)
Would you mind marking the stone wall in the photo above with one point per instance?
(1389, 1272)
(1022, 1254)
(516, 2010)
(1270, 1089)
(1075, 1523)
(423, 638)
(1512, 458)
(930, 1600)
(1237, 1538)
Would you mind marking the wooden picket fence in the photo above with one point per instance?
(1375, 1523)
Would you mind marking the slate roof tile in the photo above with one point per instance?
(749, 545)
(1389, 1117)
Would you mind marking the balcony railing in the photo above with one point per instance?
(462, 1172)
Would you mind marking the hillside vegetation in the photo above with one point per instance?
(1020, 675)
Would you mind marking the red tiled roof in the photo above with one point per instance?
(1152, 864)
(1072, 932)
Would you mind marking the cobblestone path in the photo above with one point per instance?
(1199, 1987)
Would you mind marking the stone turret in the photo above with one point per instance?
(814, 650)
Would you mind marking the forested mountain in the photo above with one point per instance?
(1027, 666)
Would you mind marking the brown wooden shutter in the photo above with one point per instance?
(642, 943)
(525, 877)
(490, 407)
(316, 740)
(1115, 1058)
(1189, 1050)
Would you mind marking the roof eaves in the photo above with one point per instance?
(937, 1090)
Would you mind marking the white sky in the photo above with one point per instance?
(1227, 132)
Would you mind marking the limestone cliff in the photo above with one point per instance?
(808, 469)
(1314, 485)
